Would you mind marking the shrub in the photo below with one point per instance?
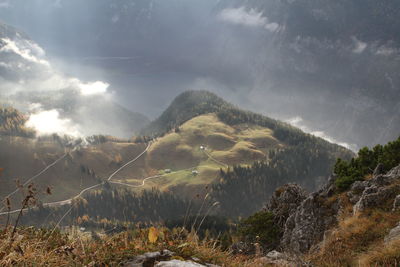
(366, 162)
(261, 228)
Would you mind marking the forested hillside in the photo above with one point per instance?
(244, 190)
(116, 207)
(379, 159)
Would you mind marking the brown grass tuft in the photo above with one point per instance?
(355, 237)
(386, 255)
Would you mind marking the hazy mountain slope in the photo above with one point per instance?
(12, 122)
(91, 115)
(30, 83)
(22, 158)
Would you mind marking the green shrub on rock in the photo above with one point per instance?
(260, 228)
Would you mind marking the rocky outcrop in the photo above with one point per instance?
(396, 203)
(376, 192)
(276, 258)
(285, 201)
(374, 196)
(378, 170)
(307, 224)
(393, 235)
(307, 219)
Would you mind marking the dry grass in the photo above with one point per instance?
(220, 141)
(354, 238)
(386, 255)
(35, 247)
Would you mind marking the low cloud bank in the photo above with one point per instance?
(299, 123)
(48, 122)
(53, 100)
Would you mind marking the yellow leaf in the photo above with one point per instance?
(153, 235)
(161, 236)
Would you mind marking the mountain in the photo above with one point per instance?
(185, 107)
(262, 151)
(190, 104)
(200, 141)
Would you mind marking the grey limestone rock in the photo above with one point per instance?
(178, 263)
(150, 258)
(394, 234)
(379, 190)
(285, 201)
(307, 225)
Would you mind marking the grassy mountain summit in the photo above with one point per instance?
(194, 103)
(185, 107)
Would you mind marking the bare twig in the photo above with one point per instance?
(25, 204)
(199, 212)
(208, 212)
(59, 222)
